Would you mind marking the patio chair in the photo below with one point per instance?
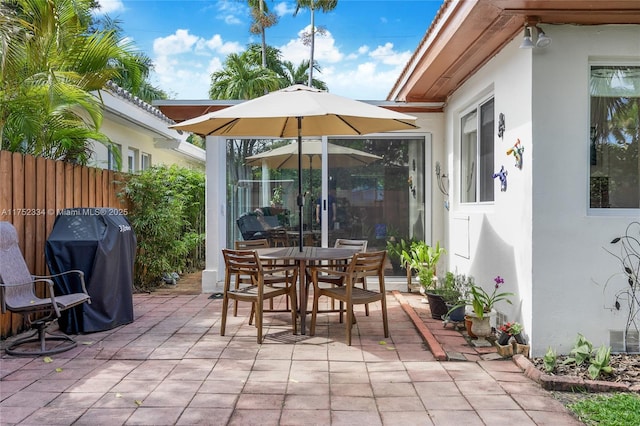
(257, 284)
(252, 245)
(18, 295)
(337, 280)
(361, 265)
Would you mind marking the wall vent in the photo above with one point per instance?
(617, 341)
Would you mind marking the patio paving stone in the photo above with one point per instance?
(171, 366)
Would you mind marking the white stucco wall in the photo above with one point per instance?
(133, 127)
(433, 125)
(494, 238)
(216, 202)
(539, 235)
(129, 138)
(570, 264)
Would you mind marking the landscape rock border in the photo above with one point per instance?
(569, 383)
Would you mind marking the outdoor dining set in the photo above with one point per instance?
(256, 273)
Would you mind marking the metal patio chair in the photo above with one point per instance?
(18, 295)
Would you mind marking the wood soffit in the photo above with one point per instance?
(465, 34)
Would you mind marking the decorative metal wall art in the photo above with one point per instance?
(501, 125)
(517, 151)
(502, 174)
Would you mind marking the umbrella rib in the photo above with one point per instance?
(284, 126)
(348, 124)
(229, 123)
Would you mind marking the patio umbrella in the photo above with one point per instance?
(286, 157)
(294, 112)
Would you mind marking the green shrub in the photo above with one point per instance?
(600, 362)
(166, 211)
(581, 351)
(550, 359)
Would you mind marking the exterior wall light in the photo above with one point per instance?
(526, 41)
(543, 40)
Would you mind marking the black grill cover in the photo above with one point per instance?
(101, 243)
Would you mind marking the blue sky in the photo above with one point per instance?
(366, 45)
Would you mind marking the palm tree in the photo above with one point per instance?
(294, 75)
(140, 88)
(49, 64)
(241, 79)
(272, 59)
(262, 19)
(313, 5)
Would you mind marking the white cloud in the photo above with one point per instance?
(184, 63)
(216, 44)
(231, 20)
(110, 6)
(325, 49)
(188, 79)
(387, 55)
(365, 82)
(215, 64)
(179, 42)
(232, 13)
(283, 8)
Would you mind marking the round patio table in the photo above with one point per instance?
(303, 258)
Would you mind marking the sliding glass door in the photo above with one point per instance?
(370, 188)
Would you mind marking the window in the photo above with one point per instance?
(132, 160)
(114, 156)
(615, 134)
(146, 161)
(476, 154)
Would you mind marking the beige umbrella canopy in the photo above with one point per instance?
(298, 111)
(277, 115)
(286, 157)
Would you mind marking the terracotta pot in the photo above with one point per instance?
(467, 324)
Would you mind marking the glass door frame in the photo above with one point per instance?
(428, 181)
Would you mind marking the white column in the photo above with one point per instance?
(266, 186)
(216, 214)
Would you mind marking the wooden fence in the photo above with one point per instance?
(32, 191)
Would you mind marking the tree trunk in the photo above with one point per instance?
(313, 38)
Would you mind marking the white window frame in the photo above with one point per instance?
(133, 160)
(112, 164)
(602, 211)
(479, 169)
(145, 161)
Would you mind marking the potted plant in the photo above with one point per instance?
(394, 251)
(423, 259)
(277, 199)
(515, 330)
(446, 300)
(482, 304)
(509, 330)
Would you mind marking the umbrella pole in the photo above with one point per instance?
(312, 203)
(300, 197)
